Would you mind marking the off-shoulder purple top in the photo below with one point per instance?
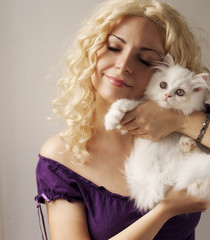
(107, 213)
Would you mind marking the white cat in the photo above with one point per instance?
(153, 167)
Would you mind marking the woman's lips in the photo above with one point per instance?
(118, 82)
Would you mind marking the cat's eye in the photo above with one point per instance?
(163, 85)
(180, 92)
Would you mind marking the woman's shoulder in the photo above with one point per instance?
(54, 148)
(56, 178)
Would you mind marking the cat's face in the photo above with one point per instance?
(176, 88)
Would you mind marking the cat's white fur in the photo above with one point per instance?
(153, 167)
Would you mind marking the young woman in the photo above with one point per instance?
(79, 174)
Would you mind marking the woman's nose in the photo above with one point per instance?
(124, 63)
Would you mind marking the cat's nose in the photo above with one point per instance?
(167, 95)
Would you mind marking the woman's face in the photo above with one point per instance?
(124, 63)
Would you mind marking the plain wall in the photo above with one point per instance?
(35, 35)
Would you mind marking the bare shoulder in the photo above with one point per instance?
(53, 148)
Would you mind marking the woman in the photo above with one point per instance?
(79, 174)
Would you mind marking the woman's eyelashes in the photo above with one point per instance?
(148, 64)
(114, 49)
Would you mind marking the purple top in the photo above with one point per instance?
(107, 213)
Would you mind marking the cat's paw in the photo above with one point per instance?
(125, 105)
(112, 120)
(187, 145)
(114, 116)
(117, 112)
(200, 189)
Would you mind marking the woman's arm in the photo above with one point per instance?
(146, 227)
(68, 220)
(192, 126)
(152, 122)
(175, 203)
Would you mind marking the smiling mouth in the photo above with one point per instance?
(118, 82)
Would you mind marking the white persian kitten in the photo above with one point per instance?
(153, 167)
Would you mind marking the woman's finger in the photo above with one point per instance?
(129, 117)
(130, 125)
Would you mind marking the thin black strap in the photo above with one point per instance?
(41, 222)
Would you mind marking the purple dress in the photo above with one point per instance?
(107, 213)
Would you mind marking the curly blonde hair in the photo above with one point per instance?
(76, 98)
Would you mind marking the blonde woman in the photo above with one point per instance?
(79, 173)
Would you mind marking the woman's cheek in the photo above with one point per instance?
(94, 80)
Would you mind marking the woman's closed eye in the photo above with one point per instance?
(145, 62)
(114, 49)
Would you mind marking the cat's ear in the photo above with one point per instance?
(204, 76)
(168, 60)
(201, 81)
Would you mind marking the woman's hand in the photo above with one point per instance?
(180, 202)
(152, 122)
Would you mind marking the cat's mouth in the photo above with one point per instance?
(164, 103)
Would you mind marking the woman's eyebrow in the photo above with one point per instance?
(121, 39)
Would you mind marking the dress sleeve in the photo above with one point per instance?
(55, 181)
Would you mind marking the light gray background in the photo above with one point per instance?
(34, 37)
